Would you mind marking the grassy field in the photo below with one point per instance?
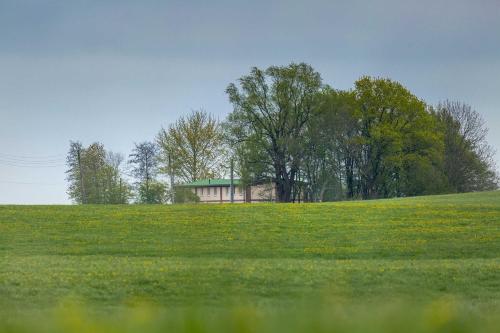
(416, 264)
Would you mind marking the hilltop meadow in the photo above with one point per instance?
(413, 264)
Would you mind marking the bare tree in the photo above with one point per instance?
(469, 159)
(145, 162)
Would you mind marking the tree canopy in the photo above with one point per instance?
(193, 147)
(145, 163)
(272, 108)
(95, 175)
(314, 142)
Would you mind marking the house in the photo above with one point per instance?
(218, 191)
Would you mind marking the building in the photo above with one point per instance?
(218, 191)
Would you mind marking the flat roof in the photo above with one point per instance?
(211, 182)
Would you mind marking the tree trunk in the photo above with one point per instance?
(283, 189)
(80, 171)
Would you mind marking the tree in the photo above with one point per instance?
(185, 195)
(117, 189)
(154, 193)
(144, 161)
(94, 175)
(272, 108)
(468, 159)
(331, 147)
(193, 147)
(397, 135)
(375, 141)
(94, 165)
(75, 176)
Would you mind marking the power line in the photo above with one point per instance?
(24, 165)
(55, 156)
(35, 163)
(29, 183)
(32, 161)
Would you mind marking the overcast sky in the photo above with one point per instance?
(116, 71)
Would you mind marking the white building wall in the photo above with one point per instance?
(212, 194)
(258, 193)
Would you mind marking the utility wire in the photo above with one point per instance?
(29, 183)
(32, 161)
(31, 165)
(33, 156)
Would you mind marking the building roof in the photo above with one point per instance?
(211, 182)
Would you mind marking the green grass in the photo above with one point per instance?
(386, 261)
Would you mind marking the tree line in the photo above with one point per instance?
(317, 143)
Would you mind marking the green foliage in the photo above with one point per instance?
(185, 195)
(271, 110)
(193, 148)
(94, 175)
(144, 160)
(153, 192)
(376, 141)
(315, 143)
(332, 145)
(399, 139)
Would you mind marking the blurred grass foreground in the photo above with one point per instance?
(429, 264)
(443, 315)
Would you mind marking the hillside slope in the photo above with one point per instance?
(261, 254)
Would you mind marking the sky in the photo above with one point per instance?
(117, 71)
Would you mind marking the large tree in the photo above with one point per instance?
(377, 140)
(272, 108)
(331, 147)
(399, 140)
(193, 147)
